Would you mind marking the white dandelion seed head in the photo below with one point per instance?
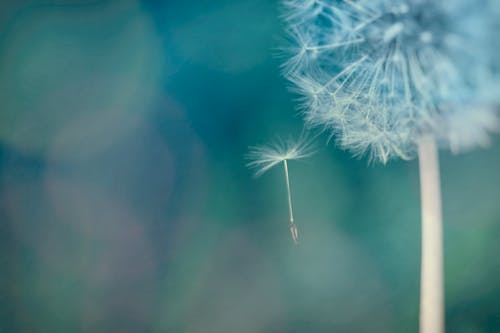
(263, 158)
(379, 74)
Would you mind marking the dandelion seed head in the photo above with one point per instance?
(263, 158)
(380, 74)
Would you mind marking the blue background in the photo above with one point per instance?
(126, 206)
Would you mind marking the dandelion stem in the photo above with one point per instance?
(293, 227)
(431, 276)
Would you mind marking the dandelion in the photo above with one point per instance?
(380, 74)
(264, 158)
(400, 79)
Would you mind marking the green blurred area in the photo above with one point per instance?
(126, 206)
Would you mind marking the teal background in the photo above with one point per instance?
(126, 206)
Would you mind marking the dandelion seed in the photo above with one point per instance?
(264, 158)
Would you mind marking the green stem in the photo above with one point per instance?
(431, 278)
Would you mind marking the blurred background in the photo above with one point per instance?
(126, 206)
